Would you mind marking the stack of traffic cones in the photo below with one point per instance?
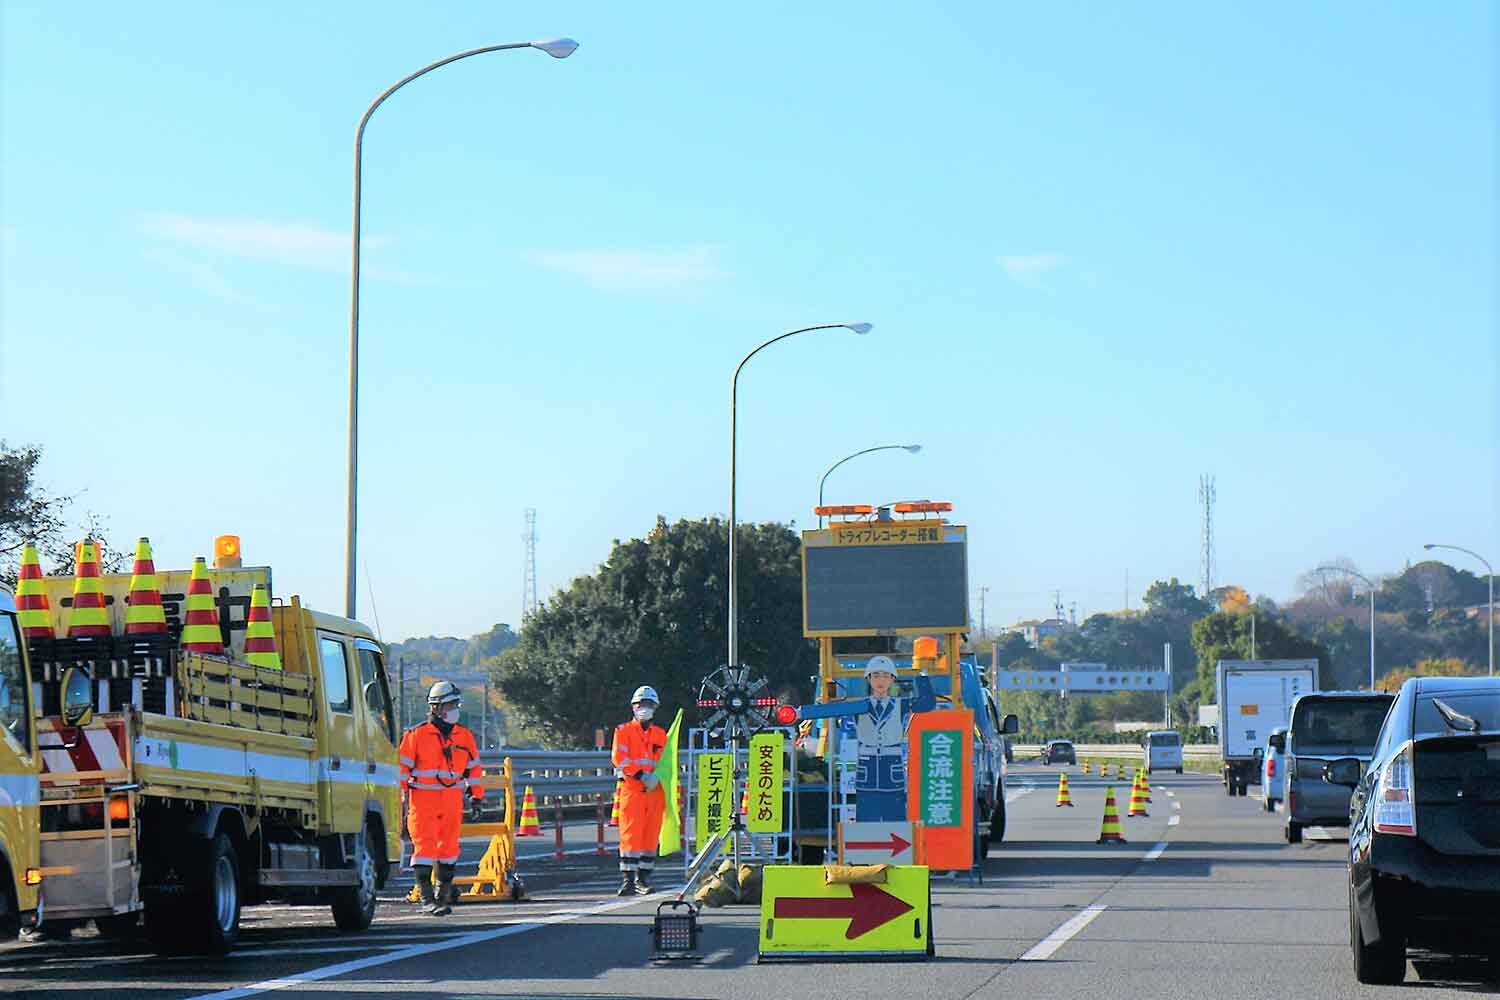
(87, 618)
(1063, 798)
(31, 598)
(530, 825)
(1137, 799)
(143, 611)
(260, 638)
(1109, 830)
(614, 810)
(200, 630)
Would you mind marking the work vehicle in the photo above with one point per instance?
(1255, 697)
(1163, 751)
(1329, 725)
(1424, 829)
(20, 851)
(1059, 752)
(1273, 769)
(181, 784)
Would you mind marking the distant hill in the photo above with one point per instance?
(451, 657)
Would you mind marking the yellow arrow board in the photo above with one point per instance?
(802, 916)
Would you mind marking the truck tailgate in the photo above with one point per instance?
(187, 758)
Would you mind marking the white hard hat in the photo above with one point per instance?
(880, 664)
(442, 692)
(645, 693)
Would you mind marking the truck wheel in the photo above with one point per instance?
(1293, 832)
(354, 906)
(205, 918)
(1269, 804)
(1179, 770)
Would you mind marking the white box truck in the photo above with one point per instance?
(1255, 697)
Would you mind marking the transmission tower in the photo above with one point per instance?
(1206, 497)
(528, 566)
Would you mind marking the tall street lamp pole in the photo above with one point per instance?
(912, 448)
(1491, 570)
(557, 48)
(734, 389)
(1370, 586)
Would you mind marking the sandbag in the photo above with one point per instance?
(855, 874)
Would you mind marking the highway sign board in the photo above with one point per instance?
(801, 915)
(870, 578)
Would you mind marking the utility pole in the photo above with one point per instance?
(1207, 496)
(484, 715)
(528, 566)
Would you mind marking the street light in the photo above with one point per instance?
(1370, 585)
(557, 48)
(912, 448)
(734, 389)
(1469, 552)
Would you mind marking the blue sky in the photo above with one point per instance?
(1104, 249)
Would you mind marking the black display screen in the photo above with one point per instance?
(876, 587)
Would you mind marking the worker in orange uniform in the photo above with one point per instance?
(440, 774)
(643, 802)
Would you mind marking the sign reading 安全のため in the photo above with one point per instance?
(767, 782)
(867, 578)
(715, 795)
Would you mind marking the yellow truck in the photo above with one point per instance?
(178, 786)
(19, 791)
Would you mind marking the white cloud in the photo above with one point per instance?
(635, 269)
(294, 243)
(1029, 267)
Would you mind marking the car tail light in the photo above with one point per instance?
(1395, 798)
(1270, 767)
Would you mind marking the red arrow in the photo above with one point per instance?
(896, 845)
(870, 907)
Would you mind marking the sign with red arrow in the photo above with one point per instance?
(878, 843)
(802, 915)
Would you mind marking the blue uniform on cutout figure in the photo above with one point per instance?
(880, 727)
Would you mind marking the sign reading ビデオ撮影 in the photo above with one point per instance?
(715, 795)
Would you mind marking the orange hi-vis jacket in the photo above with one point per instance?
(435, 773)
(636, 750)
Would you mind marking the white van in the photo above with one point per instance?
(1163, 751)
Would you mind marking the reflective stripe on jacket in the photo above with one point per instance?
(637, 748)
(431, 762)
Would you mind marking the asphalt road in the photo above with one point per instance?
(1204, 901)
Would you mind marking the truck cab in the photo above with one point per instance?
(20, 874)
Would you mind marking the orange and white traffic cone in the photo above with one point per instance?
(87, 618)
(1109, 830)
(32, 606)
(1063, 797)
(530, 825)
(200, 629)
(1137, 801)
(260, 638)
(143, 611)
(614, 810)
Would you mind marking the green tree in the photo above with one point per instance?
(29, 513)
(1172, 599)
(1226, 636)
(654, 614)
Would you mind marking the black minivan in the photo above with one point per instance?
(1424, 830)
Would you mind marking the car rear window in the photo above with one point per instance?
(1334, 726)
(1481, 706)
(1165, 740)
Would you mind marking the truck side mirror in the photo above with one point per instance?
(1344, 771)
(1278, 742)
(1010, 725)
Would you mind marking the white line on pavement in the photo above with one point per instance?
(1156, 851)
(553, 853)
(1176, 805)
(1044, 948)
(418, 950)
(1174, 820)
(1171, 793)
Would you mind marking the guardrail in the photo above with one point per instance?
(560, 775)
(1123, 751)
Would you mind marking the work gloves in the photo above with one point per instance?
(650, 780)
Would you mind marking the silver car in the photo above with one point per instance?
(1328, 725)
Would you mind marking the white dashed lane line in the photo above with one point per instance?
(1045, 948)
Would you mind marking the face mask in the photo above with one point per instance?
(451, 716)
(644, 714)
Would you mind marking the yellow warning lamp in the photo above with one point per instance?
(923, 507)
(843, 510)
(227, 552)
(33, 876)
(119, 808)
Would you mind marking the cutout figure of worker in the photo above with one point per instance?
(643, 802)
(880, 727)
(440, 773)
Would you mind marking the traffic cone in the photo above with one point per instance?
(530, 825)
(1109, 830)
(200, 630)
(143, 612)
(614, 810)
(1119, 771)
(1145, 784)
(87, 617)
(260, 638)
(1063, 798)
(1085, 765)
(1137, 801)
(31, 599)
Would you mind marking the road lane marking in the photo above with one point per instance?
(1014, 794)
(1174, 820)
(550, 854)
(1156, 851)
(1171, 793)
(1044, 948)
(418, 950)
(1176, 805)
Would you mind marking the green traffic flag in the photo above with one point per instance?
(666, 769)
